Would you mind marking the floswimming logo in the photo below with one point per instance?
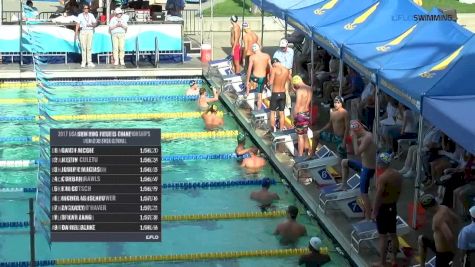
(423, 17)
(396, 41)
(351, 26)
(325, 7)
(442, 65)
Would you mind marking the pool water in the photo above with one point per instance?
(177, 237)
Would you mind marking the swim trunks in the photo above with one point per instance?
(441, 258)
(386, 219)
(302, 120)
(365, 174)
(332, 138)
(260, 83)
(237, 53)
(277, 102)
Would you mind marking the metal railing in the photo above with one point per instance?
(190, 18)
(7, 16)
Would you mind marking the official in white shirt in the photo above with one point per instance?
(86, 22)
(118, 28)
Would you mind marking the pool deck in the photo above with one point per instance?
(192, 67)
(333, 221)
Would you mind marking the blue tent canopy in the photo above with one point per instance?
(380, 19)
(449, 76)
(454, 116)
(279, 7)
(419, 45)
(324, 13)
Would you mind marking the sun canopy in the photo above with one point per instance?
(279, 7)
(382, 19)
(454, 116)
(449, 76)
(419, 45)
(326, 12)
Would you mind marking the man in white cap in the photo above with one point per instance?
(315, 257)
(466, 241)
(249, 38)
(258, 72)
(236, 43)
(285, 55)
(118, 28)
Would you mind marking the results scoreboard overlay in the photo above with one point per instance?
(105, 185)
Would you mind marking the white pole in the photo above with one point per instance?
(108, 11)
(1, 11)
(417, 182)
(212, 37)
(201, 21)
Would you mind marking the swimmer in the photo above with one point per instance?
(249, 38)
(259, 67)
(279, 76)
(240, 148)
(254, 163)
(211, 118)
(301, 112)
(263, 196)
(290, 230)
(193, 90)
(203, 100)
(364, 146)
(444, 227)
(236, 44)
(315, 257)
(389, 186)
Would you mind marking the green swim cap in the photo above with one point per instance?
(241, 138)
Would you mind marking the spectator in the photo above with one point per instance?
(72, 8)
(86, 22)
(333, 85)
(355, 86)
(175, 7)
(331, 75)
(455, 178)
(118, 28)
(407, 129)
(315, 258)
(29, 11)
(466, 241)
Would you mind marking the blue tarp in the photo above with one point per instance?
(381, 19)
(324, 13)
(419, 45)
(454, 116)
(452, 75)
(279, 7)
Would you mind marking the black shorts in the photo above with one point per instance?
(386, 219)
(277, 102)
(441, 258)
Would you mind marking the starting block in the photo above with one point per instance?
(366, 231)
(345, 200)
(318, 167)
(221, 65)
(289, 138)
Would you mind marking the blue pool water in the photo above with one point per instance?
(178, 237)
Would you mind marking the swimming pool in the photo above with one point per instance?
(180, 237)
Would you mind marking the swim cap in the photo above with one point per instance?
(339, 99)
(255, 47)
(192, 82)
(213, 108)
(356, 126)
(316, 243)
(297, 79)
(241, 138)
(245, 25)
(427, 201)
(283, 43)
(472, 211)
(275, 60)
(266, 182)
(234, 18)
(384, 159)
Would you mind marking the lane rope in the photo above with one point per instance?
(32, 85)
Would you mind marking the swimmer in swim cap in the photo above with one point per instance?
(212, 119)
(264, 197)
(296, 80)
(193, 90)
(241, 147)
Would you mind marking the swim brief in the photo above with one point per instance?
(237, 53)
(277, 102)
(332, 138)
(302, 120)
(386, 219)
(441, 258)
(365, 174)
(260, 83)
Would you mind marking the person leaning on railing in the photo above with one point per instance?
(118, 28)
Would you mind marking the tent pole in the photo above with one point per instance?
(417, 182)
(108, 11)
(201, 22)
(1, 12)
(311, 79)
(262, 26)
(212, 30)
(340, 76)
(376, 114)
(285, 29)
